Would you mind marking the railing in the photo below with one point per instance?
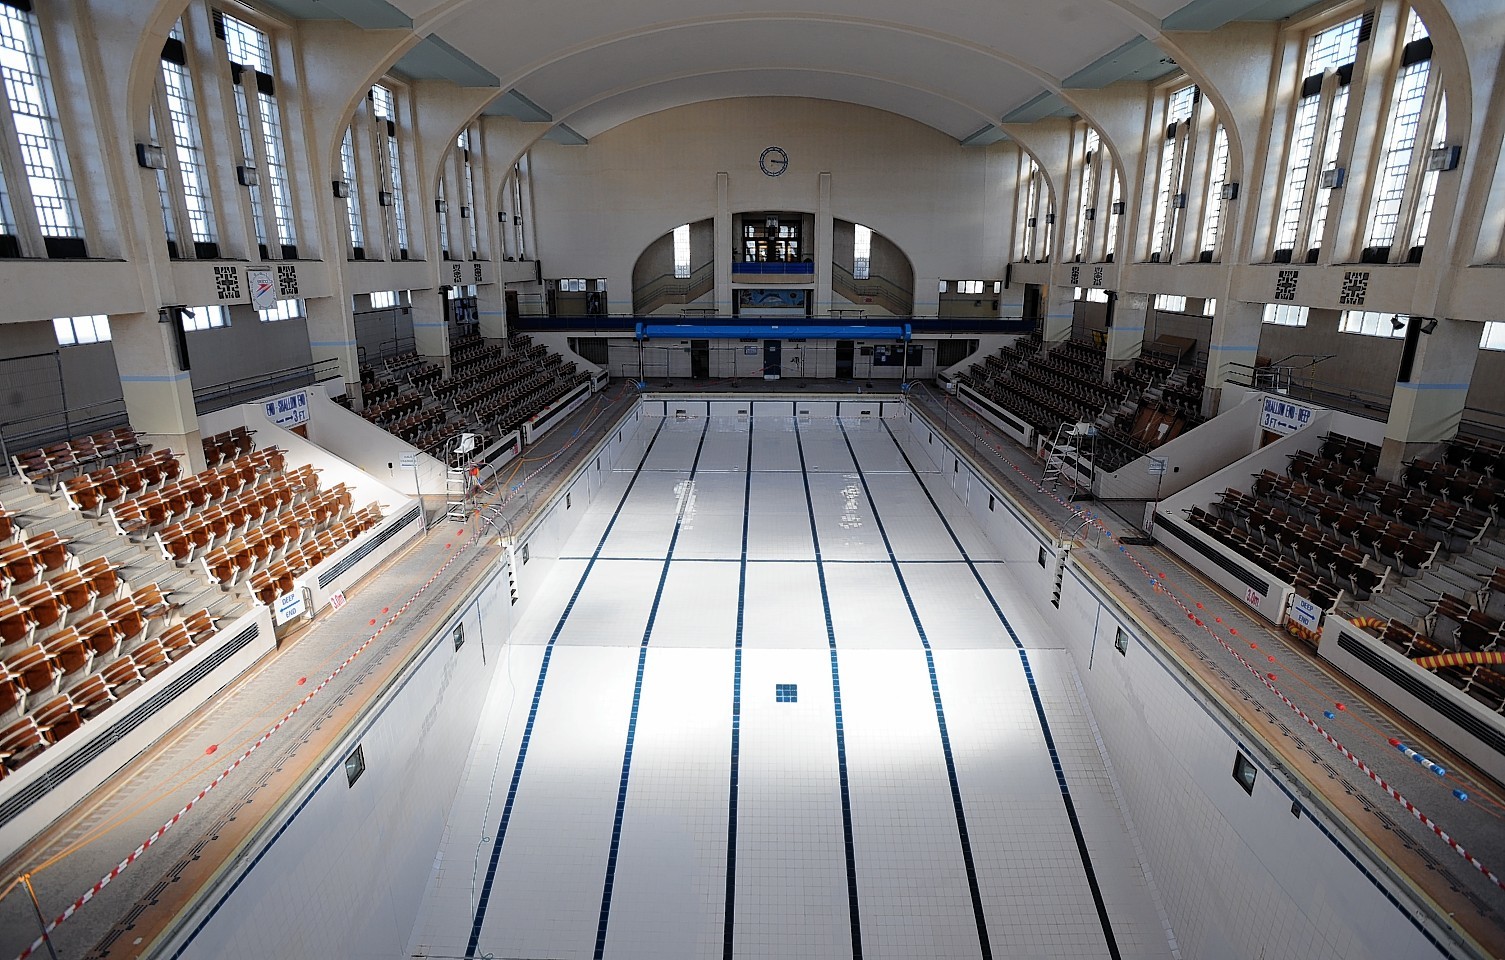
(774, 267)
(882, 292)
(221, 395)
(28, 433)
(666, 288)
(1287, 381)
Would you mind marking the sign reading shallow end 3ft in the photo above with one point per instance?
(1283, 416)
(288, 410)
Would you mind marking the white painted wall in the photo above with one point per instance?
(602, 205)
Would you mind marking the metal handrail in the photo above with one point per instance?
(257, 385)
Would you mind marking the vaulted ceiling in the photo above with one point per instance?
(959, 66)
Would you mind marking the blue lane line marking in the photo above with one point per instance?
(637, 699)
(543, 673)
(853, 914)
(978, 914)
(730, 916)
(1034, 692)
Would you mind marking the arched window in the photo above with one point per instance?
(1170, 187)
(389, 153)
(1091, 162)
(263, 171)
(183, 177)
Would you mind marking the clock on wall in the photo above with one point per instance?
(773, 161)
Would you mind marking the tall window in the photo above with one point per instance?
(682, 251)
(1212, 218)
(468, 211)
(1404, 187)
(46, 186)
(187, 149)
(1170, 192)
(519, 237)
(1031, 211)
(442, 206)
(260, 120)
(862, 252)
(1091, 146)
(384, 109)
(1115, 211)
(1311, 169)
(353, 201)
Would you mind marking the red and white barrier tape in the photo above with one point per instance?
(135, 854)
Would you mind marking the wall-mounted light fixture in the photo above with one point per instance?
(384, 198)
(1397, 323)
(247, 176)
(341, 189)
(1429, 325)
(1444, 158)
(151, 156)
(1230, 190)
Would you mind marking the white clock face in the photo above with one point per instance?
(773, 161)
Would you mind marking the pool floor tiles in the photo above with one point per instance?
(623, 838)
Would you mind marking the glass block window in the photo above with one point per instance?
(786, 693)
(28, 88)
(1170, 303)
(72, 331)
(385, 299)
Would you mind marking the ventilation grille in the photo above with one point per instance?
(1162, 522)
(1421, 690)
(15, 806)
(364, 550)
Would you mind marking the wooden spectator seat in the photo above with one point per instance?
(122, 676)
(20, 741)
(91, 696)
(99, 634)
(76, 593)
(150, 659)
(42, 605)
(16, 624)
(67, 652)
(176, 641)
(10, 693)
(57, 717)
(201, 625)
(103, 576)
(32, 668)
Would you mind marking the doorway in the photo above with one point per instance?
(773, 359)
(844, 359)
(700, 359)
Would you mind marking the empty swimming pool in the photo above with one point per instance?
(778, 697)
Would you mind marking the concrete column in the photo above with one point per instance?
(158, 394)
(1126, 331)
(1234, 340)
(331, 335)
(1429, 398)
(491, 309)
(1057, 307)
(721, 250)
(431, 326)
(825, 248)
